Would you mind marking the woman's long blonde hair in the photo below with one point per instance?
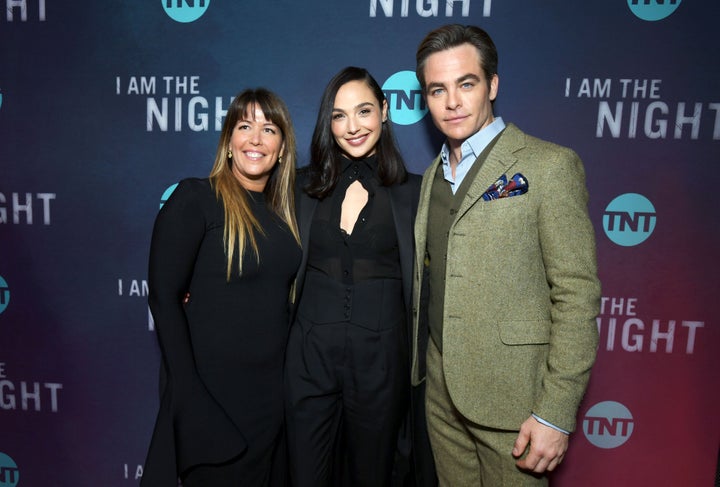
(240, 223)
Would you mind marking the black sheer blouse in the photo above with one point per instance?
(371, 251)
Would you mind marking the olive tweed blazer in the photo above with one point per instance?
(521, 292)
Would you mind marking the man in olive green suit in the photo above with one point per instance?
(505, 279)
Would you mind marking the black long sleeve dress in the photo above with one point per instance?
(222, 351)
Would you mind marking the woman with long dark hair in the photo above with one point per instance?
(346, 367)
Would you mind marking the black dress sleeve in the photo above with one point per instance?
(177, 235)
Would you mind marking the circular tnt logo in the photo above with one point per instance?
(166, 195)
(608, 424)
(404, 96)
(9, 471)
(629, 219)
(652, 10)
(4, 294)
(185, 11)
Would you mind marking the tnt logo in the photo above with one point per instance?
(4, 295)
(608, 424)
(629, 219)
(407, 105)
(652, 10)
(166, 195)
(185, 11)
(9, 471)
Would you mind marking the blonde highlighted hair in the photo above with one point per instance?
(240, 223)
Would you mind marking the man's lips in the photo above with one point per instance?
(456, 119)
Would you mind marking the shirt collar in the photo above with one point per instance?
(476, 143)
(368, 163)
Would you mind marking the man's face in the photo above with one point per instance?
(457, 93)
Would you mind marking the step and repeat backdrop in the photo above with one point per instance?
(104, 106)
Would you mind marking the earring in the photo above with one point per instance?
(279, 159)
(229, 154)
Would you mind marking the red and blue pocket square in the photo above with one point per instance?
(502, 188)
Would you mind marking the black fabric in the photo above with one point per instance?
(422, 465)
(248, 470)
(388, 339)
(374, 304)
(223, 350)
(348, 397)
(371, 250)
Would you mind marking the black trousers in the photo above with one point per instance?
(347, 388)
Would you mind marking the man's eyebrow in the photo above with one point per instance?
(465, 77)
(469, 76)
(435, 84)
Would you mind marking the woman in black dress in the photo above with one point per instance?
(347, 380)
(224, 253)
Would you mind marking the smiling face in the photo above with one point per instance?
(458, 94)
(357, 119)
(255, 143)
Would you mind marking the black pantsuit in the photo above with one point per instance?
(347, 362)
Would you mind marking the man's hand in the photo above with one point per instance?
(547, 446)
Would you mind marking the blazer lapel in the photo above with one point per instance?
(401, 206)
(305, 210)
(421, 219)
(498, 162)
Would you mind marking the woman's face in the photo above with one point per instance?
(256, 144)
(357, 119)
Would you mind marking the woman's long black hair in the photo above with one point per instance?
(326, 156)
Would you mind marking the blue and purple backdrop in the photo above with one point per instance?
(105, 105)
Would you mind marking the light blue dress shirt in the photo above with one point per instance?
(471, 149)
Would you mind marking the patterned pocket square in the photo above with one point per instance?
(504, 189)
